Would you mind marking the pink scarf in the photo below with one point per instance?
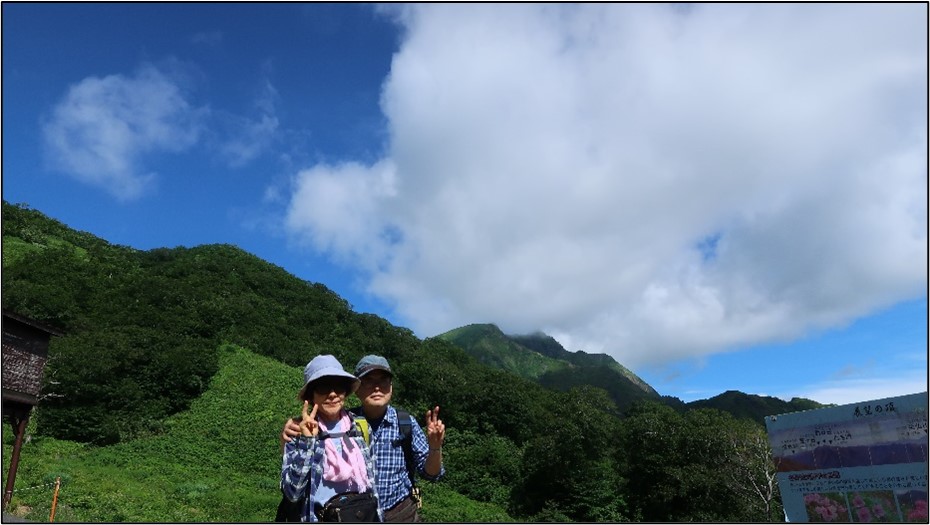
(347, 465)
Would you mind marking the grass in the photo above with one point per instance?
(218, 461)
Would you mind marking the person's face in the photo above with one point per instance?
(330, 395)
(375, 390)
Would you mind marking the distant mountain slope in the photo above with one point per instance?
(492, 347)
(754, 407)
(541, 358)
(546, 345)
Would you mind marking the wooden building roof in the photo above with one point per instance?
(25, 352)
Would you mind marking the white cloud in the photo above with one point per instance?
(642, 180)
(103, 127)
(334, 209)
(106, 131)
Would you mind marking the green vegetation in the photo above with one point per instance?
(546, 345)
(166, 395)
(492, 347)
(541, 358)
(214, 462)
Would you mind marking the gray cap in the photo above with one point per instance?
(370, 363)
(326, 366)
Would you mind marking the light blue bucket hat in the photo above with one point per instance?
(326, 366)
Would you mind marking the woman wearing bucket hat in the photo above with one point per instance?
(329, 467)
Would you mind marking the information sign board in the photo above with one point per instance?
(862, 462)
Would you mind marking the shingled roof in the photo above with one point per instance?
(25, 352)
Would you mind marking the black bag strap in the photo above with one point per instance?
(352, 432)
(405, 423)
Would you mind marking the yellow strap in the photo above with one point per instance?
(363, 426)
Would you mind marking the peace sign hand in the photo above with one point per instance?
(435, 430)
(308, 424)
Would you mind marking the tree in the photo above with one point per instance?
(570, 468)
(751, 471)
(649, 456)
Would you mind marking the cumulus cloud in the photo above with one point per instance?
(107, 131)
(103, 127)
(339, 211)
(643, 180)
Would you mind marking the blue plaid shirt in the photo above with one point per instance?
(303, 464)
(393, 483)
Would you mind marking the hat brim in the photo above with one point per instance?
(371, 368)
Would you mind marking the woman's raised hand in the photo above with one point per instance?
(308, 424)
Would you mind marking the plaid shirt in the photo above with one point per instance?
(393, 483)
(303, 463)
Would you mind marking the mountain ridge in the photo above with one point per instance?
(539, 357)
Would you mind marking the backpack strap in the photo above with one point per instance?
(405, 422)
(361, 423)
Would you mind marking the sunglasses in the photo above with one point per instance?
(382, 381)
(325, 386)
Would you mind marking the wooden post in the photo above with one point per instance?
(20, 420)
(51, 517)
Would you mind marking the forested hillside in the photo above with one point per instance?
(745, 406)
(541, 358)
(147, 349)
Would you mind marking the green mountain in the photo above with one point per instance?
(541, 358)
(157, 318)
(546, 345)
(492, 347)
(754, 407)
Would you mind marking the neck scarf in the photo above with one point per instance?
(346, 464)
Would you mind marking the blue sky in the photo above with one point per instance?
(722, 197)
